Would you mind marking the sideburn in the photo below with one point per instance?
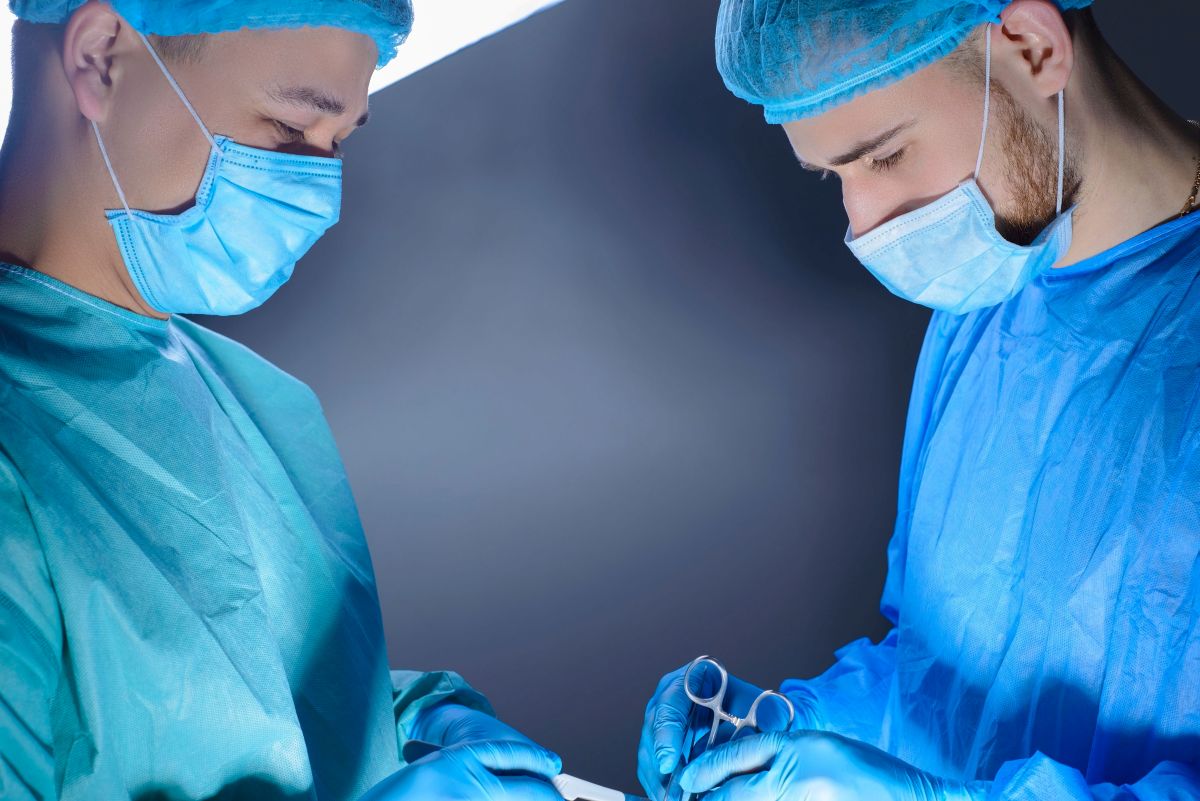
(1031, 160)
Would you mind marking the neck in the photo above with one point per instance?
(1140, 158)
(51, 214)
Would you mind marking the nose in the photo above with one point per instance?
(869, 209)
(863, 210)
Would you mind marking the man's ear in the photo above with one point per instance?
(1034, 33)
(91, 46)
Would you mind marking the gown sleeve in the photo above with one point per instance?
(1040, 777)
(413, 692)
(850, 699)
(851, 696)
(30, 649)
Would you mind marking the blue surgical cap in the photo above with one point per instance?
(800, 58)
(386, 21)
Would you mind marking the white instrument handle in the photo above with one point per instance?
(573, 789)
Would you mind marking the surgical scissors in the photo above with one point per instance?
(716, 702)
(696, 674)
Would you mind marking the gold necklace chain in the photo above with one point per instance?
(1190, 205)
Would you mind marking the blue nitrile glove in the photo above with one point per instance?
(451, 724)
(809, 764)
(666, 718)
(493, 770)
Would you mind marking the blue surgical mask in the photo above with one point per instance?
(256, 213)
(948, 254)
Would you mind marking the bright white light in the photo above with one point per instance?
(6, 23)
(441, 27)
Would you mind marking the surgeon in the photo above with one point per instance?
(187, 605)
(1001, 165)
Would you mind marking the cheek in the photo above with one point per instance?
(158, 151)
(933, 169)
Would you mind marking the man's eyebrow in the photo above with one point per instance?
(313, 99)
(863, 148)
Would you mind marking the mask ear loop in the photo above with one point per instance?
(111, 172)
(1062, 157)
(987, 95)
(175, 85)
(987, 104)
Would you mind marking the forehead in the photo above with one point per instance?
(335, 60)
(935, 99)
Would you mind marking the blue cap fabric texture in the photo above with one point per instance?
(388, 22)
(800, 58)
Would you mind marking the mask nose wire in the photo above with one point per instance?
(175, 85)
(987, 95)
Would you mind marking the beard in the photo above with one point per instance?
(1031, 169)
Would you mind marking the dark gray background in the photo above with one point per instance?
(609, 388)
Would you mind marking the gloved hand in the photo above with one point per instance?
(663, 735)
(451, 724)
(809, 764)
(493, 770)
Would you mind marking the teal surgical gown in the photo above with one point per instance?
(187, 605)
(1044, 572)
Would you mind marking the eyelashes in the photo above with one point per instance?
(877, 165)
(886, 163)
(288, 133)
(294, 136)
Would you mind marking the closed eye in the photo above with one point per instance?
(294, 136)
(289, 133)
(886, 163)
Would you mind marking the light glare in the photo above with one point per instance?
(441, 27)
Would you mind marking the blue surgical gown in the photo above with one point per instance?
(187, 606)
(1044, 571)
